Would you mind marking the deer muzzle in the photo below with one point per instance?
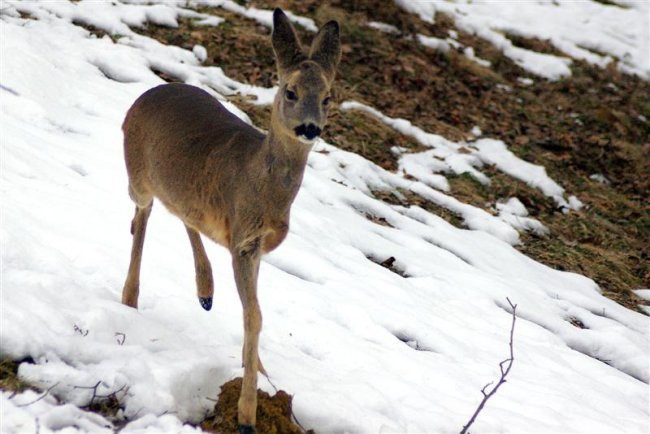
(310, 131)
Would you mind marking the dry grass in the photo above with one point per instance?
(9, 380)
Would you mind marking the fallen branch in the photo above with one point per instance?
(504, 373)
(121, 335)
(43, 395)
(81, 331)
(112, 395)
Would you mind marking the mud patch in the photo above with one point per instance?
(274, 414)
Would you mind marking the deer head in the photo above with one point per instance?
(301, 105)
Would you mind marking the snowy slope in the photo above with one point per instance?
(363, 349)
(583, 29)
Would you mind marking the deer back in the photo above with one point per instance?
(185, 148)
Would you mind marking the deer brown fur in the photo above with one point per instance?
(225, 179)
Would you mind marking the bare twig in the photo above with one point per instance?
(121, 335)
(100, 397)
(270, 382)
(297, 421)
(504, 373)
(92, 398)
(43, 395)
(292, 413)
(81, 331)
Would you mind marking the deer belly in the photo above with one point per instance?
(210, 224)
(216, 228)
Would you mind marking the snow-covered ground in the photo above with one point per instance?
(583, 29)
(362, 349)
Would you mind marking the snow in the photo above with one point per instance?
(337, 326)
(264, 17)
(445, 45)
(435, 43)
(515, 213)
(525, 81)
(471, 55)
(33, 412)
(582, 29)
(492, 151)
(383, 27)
(200, 52)
(424, 9)
(600, 178)
(643, 293)
(462, 158)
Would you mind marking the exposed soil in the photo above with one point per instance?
(274, 415)
(590, 123)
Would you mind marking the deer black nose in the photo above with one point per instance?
(310, 131)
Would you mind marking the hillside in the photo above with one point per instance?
(475, 153)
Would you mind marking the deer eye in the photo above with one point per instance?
(291, 96)
(326, 101)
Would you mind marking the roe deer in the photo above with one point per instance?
(225, 179)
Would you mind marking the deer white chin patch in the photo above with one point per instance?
(307, 141)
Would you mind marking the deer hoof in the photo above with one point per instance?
(246, 429)
(206, 302)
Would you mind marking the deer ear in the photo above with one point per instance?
(286, 46)
(326, 48)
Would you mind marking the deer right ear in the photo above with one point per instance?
(326, 48)
(286, 46)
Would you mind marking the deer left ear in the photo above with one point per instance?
(326, 48)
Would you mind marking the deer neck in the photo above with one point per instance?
(286, 155)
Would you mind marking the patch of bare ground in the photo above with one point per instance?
(590, 123)
(274, 414)
(9, 380)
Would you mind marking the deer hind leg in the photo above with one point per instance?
(138, 229)
(204, 282)
(246, 262)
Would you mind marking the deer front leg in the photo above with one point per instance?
(138, 228)
(246, 262)
(204, 282)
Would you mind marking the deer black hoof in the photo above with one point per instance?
(246, 429)
(206, 302)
